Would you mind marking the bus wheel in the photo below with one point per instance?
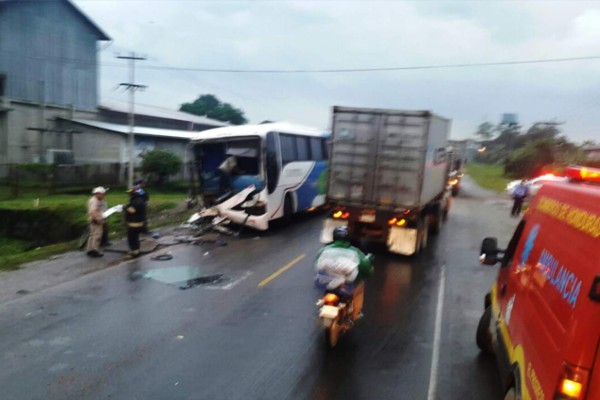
(288, 208)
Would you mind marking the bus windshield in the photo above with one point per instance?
(229, 165)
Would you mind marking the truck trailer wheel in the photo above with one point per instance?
(438, 217)
(423, 235)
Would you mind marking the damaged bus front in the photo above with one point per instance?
(252, 174)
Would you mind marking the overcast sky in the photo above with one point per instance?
(363, 34)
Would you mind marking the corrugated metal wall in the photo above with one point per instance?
(48, 54)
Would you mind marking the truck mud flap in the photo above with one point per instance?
(402, 241)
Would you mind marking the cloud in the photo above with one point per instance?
(335, 34)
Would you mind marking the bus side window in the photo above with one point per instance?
(302, 148)
(512, 245)
(288, 148)
(325, 148)
(316, 149)
(272, 163)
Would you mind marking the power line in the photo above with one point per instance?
(81, 62)
(378, 69)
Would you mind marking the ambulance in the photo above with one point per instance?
(542, 316)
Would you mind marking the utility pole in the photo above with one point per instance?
(132, 87)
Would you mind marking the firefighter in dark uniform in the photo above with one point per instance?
(135, 213)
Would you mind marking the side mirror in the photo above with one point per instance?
(489, 251)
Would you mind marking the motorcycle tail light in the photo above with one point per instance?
(331, 298)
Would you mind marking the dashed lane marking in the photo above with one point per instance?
(281, 270)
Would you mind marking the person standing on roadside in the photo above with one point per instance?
(96, 207)
(135, 213)
(520, 192)
(141, 187)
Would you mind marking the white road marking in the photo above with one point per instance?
(435, 355)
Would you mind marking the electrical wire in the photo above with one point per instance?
(81, 62)
(351, 70)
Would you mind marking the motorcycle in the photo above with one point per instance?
(336, 308)
(335, 314)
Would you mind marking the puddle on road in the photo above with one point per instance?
(184, 277)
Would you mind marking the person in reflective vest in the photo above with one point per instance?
(135, 214)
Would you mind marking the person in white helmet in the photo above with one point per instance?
(96, 207)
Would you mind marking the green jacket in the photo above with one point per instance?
(365, 267)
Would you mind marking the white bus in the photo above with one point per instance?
(282, 170)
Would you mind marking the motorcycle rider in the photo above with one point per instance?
(342, 267)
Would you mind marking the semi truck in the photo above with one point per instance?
(388, 176)
(457, 158)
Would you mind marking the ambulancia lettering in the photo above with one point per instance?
(561, 278)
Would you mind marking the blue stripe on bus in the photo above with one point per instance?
(310, 189)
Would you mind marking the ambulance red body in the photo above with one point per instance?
(542, 316)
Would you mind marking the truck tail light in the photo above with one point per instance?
(572, 383)
(397, 222)
(340, 214)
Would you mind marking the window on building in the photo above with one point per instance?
(2, 84)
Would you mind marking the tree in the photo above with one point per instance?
(210, 106)
(161, 163)
(485, 130)
(530, 160)
(543, 131)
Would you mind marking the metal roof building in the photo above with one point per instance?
(48, 53)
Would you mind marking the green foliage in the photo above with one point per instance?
(485, 131)
(493, 155)
(539, 150)
(210, 106)
(36, 168)
(531, 159)
(167, 205)
(161, 163)
(488, 176)
(322, 182)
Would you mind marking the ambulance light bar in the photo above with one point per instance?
(583, 174)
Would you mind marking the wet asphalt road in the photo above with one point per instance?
(113, 335)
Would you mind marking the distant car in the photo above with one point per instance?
(536, 183)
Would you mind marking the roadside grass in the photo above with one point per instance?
(488, 176)
(166, 207)
(22, 252)
(78, 198)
